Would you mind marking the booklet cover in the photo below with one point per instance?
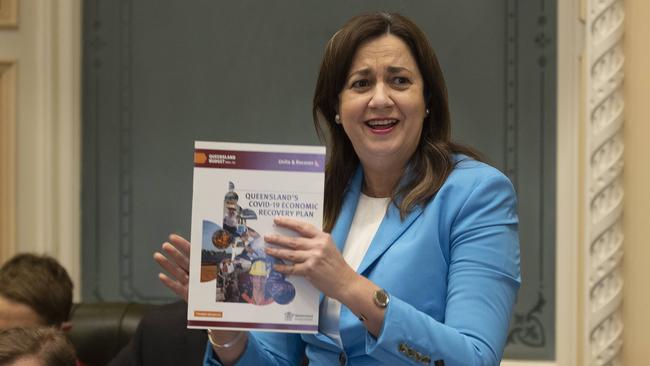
(238, 190)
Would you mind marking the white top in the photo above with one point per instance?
(367, 218)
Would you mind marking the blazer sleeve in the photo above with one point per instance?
(483, 280)
(277, 349)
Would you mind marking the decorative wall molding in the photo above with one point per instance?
(530, 43)
(127, 288)
(570, 43)
(589, 163)
(8, 13)
(7, 159)
(602, 249)
(68, 147)
(56, 149)
(511, 129)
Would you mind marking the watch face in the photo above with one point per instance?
(381, 298)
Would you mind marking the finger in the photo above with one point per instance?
(301, 227)
(172, 268)
(296, 256)
(176, 255)
(291, 242)
(181, 243)
(287, 269)
(175, 286)
(182, 246)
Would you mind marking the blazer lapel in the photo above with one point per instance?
(349, 207)
(388, 232)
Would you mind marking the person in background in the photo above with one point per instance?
(34, 291)
(35, 346)
(418, 257)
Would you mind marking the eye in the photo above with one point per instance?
(401, 81)
(360, 84)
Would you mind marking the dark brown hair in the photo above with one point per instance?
(39, 282)
(431, 163)
(46, 344)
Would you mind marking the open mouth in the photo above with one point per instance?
(381, 124)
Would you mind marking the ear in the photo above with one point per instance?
(65, 327)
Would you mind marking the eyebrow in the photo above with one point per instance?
(361, 72)
(396, 69)
(391, 70)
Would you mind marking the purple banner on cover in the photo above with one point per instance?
(254, 160)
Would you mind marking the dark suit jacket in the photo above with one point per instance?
(162, 339)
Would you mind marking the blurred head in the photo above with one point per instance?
(258, 269)
(32, 346)
(221, 239)
(230, 200)
(34, 291)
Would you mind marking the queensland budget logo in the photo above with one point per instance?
(222, 159)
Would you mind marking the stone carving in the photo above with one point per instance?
(604, 144)
(606, 16)
(606, 252)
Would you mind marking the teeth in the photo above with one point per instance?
(384, 122)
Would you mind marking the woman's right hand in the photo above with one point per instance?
(176, 263)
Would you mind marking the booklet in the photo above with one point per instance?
(238, 190)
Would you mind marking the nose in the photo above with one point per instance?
(381, 97)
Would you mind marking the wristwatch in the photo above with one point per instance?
(381, 298)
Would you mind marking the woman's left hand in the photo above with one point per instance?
(314, 257)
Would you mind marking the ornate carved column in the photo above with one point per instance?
(603, 182)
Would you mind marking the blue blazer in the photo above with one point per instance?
(450, 267)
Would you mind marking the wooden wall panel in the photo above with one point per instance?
(7, 159)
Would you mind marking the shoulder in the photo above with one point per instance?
(470, 172)
(473, 182)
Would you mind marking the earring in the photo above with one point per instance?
(427, 111)
(337, 119)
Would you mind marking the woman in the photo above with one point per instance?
(418, 260)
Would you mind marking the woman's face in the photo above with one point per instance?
(382, 106)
